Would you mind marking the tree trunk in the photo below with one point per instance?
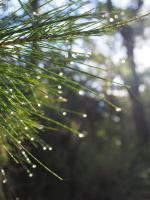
(139, 116)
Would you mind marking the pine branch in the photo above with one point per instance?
(24, 85)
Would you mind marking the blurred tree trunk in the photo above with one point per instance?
(137, 105)
(139, 116)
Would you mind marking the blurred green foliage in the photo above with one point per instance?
(108, 158)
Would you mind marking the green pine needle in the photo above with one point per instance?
(33, 62)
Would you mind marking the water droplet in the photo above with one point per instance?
(28, 160)
(84, 115)
(26, 128)
(60, 92)
(74, 55)
(111, 19)
(81, 135)
(59, 86)
(32, 138)
(64, 113)
(3, 172)
(30, 175)
(44, 148)
(123, 61)
(81, 92)
(50, 148)
(23, 152)
(5, 181)
(116, 16)
(118, 109)
(60, 74)
(40, 127)
(46, 96)
(35, 13)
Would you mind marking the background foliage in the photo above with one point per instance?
(56, 81)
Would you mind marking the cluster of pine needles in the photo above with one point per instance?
(35, 56)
